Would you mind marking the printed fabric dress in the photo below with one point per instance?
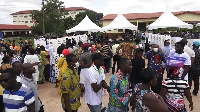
(119, 95)
(139, 105)
(41, 69)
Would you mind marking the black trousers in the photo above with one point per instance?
(72, 110)
(116, 60)
(107, 64)
(47, 72)
(157, 88)
(1, 103)
(194, 75)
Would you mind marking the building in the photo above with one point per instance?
(25, 17)
(14, 30)
(143, 19)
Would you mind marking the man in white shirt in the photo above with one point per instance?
(116, 58)
(188, 50)
(94, 84)
(178, 52)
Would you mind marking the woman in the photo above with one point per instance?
(71, 92)
(62, 64)
(55, 62)
(145, 96)
(40, 67)
(6, 63)
(173, 89)
(32, 58)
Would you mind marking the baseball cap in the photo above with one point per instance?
(86, 45)
(196, 43)
(167, 40)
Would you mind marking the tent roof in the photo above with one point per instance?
(198, 24)
(167, 19)
(120, 22)
(85, 25)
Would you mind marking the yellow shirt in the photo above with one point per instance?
(62, 65)
(44, 59)
(69, 84)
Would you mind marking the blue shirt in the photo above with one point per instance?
(155, 62)
(166, 50)
(17, 101)
(118, 98)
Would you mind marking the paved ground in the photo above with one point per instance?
(51, 99)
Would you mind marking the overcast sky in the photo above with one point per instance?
(102, 6)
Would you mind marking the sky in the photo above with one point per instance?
(8, 7)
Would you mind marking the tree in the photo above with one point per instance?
(69, 22)
(53, 13)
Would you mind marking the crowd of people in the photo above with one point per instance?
(79, 70)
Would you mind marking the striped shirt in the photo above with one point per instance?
(175, 87)
(17, 101)
(106, 50)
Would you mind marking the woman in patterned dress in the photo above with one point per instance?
(40, 67)
(55, 62)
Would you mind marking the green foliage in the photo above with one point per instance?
(53, 14)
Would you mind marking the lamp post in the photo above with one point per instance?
(43, 29)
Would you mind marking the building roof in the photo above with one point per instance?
(14, 27)
(67, 9)
(22, 12)
(132, 16)
(75, 8)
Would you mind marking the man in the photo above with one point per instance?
(94, 83)
(155, 58)
(45, 60)
(78, 53)
(27, 79)
(17, 97)
(1, 99)
(17, 66)
(166, 49)
(71, 92)
(116, 57)
(138, 64)
(188, 50)
(194, 71)
(127, 48)
(179, 52)
(107, 54)
(119, 97)
(85, 62)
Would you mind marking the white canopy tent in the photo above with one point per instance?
(167, 19)
(85, 25)
(120, 22)
(198, 24)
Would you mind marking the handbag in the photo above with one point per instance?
(175, 104)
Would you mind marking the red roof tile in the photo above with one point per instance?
(22, 12)
(75, 8)
(144, 15)
(14, 27)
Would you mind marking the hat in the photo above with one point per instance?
(196, 43)
(86, 45)
(65, 52)
(139, 49)
(167, 40)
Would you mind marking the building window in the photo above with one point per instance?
(14, 16)
(14, 21)
(21, 16)
(120, 30)
(30, 15)
(22, 21)
(25, 16)
(31, 21)
(26, 21)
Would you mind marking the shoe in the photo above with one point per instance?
(195, 94)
